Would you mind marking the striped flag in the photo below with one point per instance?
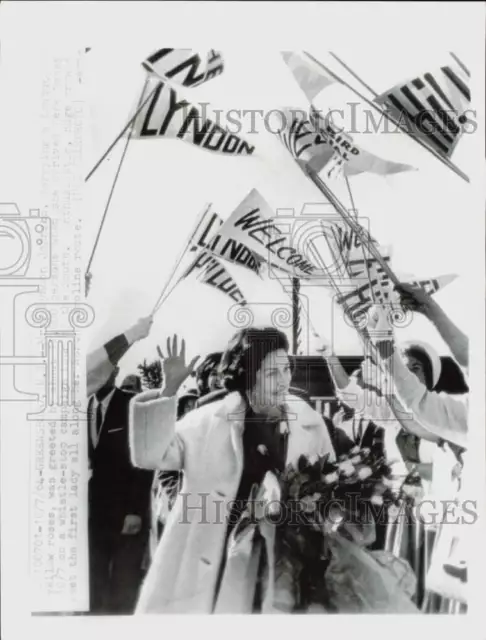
(432, 106)
(185, 67)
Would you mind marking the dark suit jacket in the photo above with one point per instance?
(116, 488)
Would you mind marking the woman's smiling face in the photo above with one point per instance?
(272, 381)
(416, 367)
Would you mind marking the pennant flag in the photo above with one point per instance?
(357, 160)
(311, 81)
(254, 225)
(432, 285)
(168, 115)
(317, 143)
(362, 260)
(310, 147)
(344, 241)
(434, 104)
(210, 271)
(359, 299)
(185, 67)
(378, 289)
(229, 249)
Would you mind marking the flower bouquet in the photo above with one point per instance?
(316, 519)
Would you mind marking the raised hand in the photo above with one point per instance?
(174, 367)
(140, 329)
(414, 298)
(324, 347)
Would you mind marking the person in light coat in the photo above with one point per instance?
(217, 447)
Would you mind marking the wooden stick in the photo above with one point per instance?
(180, 258)
(460, 63)
(124, 130)
(88, 274)
(355, 226)
(355, 75)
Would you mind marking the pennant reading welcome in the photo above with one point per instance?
(253, 224)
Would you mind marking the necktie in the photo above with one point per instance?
(99, 420)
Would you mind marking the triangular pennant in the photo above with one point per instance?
(167, 114)
(432, 106)
(185, 67)
(210, 239)
(210, 271)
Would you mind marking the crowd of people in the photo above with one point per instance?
(171, 471)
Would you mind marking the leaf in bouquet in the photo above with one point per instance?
(315, 470)
(324, 460)
(302, 464)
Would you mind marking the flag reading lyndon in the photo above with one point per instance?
(229, 249)
(168, 115)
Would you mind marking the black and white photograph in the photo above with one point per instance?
(252, 341)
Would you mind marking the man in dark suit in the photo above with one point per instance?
(119, 496)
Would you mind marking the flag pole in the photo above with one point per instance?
(362, 245)
(460, 63)
(355, 75)
(186, 246)
(125, 128)
(88, 275)
(397, 123)
(296, 329)
(362, 234)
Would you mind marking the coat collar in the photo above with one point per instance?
(232, 408)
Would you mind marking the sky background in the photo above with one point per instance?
(164, 184)
(434, 221)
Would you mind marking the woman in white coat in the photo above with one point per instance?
(223, 449)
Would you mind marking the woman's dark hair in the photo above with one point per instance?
(204, 370)
(423, 358)
(245, 353)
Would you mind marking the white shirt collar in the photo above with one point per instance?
(106, 400)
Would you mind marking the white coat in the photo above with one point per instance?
(207, 445)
